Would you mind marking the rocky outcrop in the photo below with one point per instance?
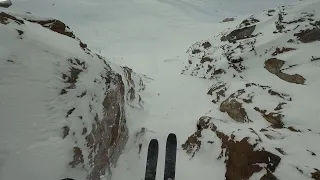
(235, 110)
(5, 3)
(263, 73)
(91, 96)
(274, 65)
(241, 157)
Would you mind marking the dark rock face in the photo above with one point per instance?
(239, 34)
(5, 4)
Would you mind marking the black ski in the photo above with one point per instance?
(152, 160)
(170, 159)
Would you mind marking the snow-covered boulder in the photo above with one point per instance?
(264, 71)
(63, 107)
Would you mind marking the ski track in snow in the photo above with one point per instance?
(150, 36)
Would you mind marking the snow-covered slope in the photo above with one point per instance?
(245, 106)
(245, 117)
(264, 72)
(62, 107)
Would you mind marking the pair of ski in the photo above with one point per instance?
(170, 158)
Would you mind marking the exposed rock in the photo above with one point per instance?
(109, 134)
(5, 3)
(238, 34)
(205, 59)
(5, 19)
(233, 62)
(279, 106)
(273, 117)
(280, 150)
(316, 175)
(271, 12)
(228, 19)
(291, 128)
(309, 35)
(219, 88)
(248, 22)
(134, 86)
(55, 25)
(206, 45)
(274, 65)
(65, 132)
(87, 98)
(280, 51)
(241, 159)
(269, 176)
(196, 51)
(235, 110)
(59, 27)
(77, 157)
(76, 67)
(193, 144)
(296, 78)
(312, 153)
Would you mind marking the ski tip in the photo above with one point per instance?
(172, 136)
(153, 143)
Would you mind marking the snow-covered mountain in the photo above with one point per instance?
(264, 72)
(62, 106)
(242, 102)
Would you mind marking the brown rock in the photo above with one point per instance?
(77, 157)
(195, 51)
(228, 19)
(235, 110)
(280, 51)
(65, 132)
(274, 65)
(293, 129)
(4, 19)
(249, 21)
(55, 25)
(309, 35)
(206, 45)
(269, 176)
(193, 144)
(110, 133)
(316, 175)
(238, 34)
(241, 159)
(273, 117)
(279, 106)
(59, 27)
(76, 67)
